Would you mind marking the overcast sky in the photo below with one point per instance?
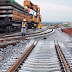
(54, 10)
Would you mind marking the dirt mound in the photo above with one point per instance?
(68, 31)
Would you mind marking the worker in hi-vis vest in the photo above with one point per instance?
(24, 27)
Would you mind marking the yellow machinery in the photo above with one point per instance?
(40, 26)
(36, 19)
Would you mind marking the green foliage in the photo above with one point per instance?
(66, 25)
(12, 1)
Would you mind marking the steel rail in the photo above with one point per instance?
(16, 38)
(34, 34)
(41, 34)
(3, 36)
(42, 59)
(62, 57)
(20, 38)
(23, 57)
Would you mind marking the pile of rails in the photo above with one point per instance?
(12, 14)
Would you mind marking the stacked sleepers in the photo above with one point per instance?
(13, 13)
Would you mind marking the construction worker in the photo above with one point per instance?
(40, 26)
(24, 27)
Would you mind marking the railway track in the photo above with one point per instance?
(9, 59)
(16, 39)
(14, 35)
(43, 56)
(9, 52)
(67, 57)
(31, 34)
(19, 33)
(42, 59)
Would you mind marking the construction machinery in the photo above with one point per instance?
(12, 15)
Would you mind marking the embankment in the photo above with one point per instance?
(68, 31)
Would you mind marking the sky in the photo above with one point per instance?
(53, 10)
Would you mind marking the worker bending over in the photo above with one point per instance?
(24, 27)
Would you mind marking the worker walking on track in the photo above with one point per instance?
(24, 27)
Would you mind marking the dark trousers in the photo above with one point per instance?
(23, 34)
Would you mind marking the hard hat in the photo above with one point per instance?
(24, 19)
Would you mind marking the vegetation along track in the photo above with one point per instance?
(41, 56)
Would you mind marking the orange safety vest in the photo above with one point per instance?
(23, 25)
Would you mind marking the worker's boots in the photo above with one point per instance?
(22, 34)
